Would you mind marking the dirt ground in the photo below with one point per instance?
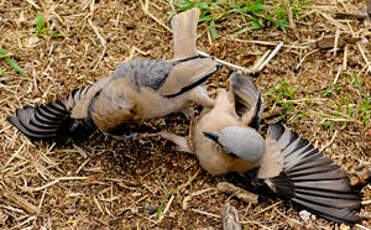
(100, 183)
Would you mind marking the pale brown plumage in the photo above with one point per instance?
(224, 142)
(136, 91)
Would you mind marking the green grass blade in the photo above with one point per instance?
(39, 25)
(214, 33)
(3, 53)
(15, 66)
(56, 35)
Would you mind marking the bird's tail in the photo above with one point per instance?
(51, 120)
(311, 180)
(248, 100)
(184, 27)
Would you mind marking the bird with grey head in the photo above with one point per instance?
(137, 91)
(225, 140)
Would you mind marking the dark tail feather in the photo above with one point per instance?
(311, 180)
(51, 120)
(41, 121)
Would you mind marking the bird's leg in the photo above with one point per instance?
(190, 134)
(200, 96)
(181, 142)
(188, 112)
(123, 137)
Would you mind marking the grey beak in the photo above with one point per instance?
(213, 135)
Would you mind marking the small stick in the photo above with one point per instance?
(289, 14)
(360, 17)
(244, 70)
(240, 193)
(205, 213)
(362, 52)
(260, 61)
(337, 75)
(166, 208)
(229, 215)
(145, 9)
(96, 31)
(337, 34)
(21, 202)
(302, 60)
(274, 52)
(345, 60)
(330, 142)
(33, 4)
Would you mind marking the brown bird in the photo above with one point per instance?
(289, 165)
(135, 92)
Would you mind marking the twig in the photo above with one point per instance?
(244, 70)
(289, 14)
(14, 155)
(256, 223)
(337, 75)
(145, 10)
(33, 4)
(96, 31)
(98, 205)
(18, 226)
(189, 197)
(337, 34)
(21, 202)
(260, 61)
(36, 189)
(166, 208)
(230, 38)
(304, 45)
(360, 17)
(206, 213)
(330, 142)
(288, 218)
(362, 52)
(333, 21)
(240, 193)
(302, 60)
(345, 60)
(268, 208)
(274, 52)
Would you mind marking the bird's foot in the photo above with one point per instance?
(179, 141)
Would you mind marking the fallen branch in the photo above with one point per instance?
(233, 66)
(274, 52)
(238, 192)
(359, 17)
(21, 202)
(289, 14)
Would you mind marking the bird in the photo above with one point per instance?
(138, 90)
(226, 139)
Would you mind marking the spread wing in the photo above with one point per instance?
(310, 179)
(248, 100)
